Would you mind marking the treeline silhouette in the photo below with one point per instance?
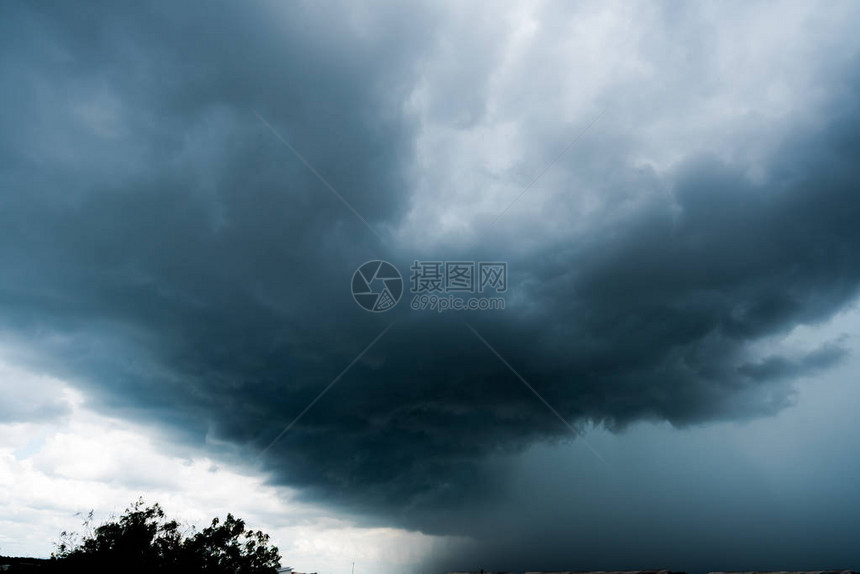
(143, 540)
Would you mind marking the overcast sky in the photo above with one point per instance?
(186, 190)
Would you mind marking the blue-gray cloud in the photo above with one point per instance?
(160, 247)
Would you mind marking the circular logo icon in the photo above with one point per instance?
(377, 286)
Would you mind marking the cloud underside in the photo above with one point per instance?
(162, 248)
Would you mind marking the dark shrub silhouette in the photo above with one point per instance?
(143, 540)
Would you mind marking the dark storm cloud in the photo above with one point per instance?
(776, 367)
(163, 249)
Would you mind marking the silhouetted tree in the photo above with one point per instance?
(143, 540)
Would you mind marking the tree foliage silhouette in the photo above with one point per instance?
(143, 540)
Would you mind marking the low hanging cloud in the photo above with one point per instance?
(163, 249)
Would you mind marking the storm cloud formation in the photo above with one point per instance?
(162, 248)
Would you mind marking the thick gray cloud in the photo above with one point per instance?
(161, 247)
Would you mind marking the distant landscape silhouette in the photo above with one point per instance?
(144, 540)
